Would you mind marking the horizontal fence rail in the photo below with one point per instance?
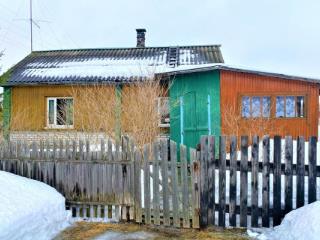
(257, 183)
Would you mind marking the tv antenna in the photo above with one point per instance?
(32, 22)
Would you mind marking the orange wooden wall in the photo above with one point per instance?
(235, 84)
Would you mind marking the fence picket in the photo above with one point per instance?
(156, 194)
(137, 186)
(244, 181)
(195, 174)
(211, 180)
(185, 186)
(233, 182)
(265, 181)
(147, 209)
(312, 183)
(204, 182)
(300, 172)
(254, 182)
(222, 181)
(277, 181)
(288, 174)
(166, 195)
(175, 189)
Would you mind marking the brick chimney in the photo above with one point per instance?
(141, 37)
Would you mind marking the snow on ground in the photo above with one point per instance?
(30, 209)
(300, 224)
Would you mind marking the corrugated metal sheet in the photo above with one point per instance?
(107, 65)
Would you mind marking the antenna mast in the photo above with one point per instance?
(31, 30)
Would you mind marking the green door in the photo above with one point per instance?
(189, 119)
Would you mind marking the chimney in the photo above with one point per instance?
(141, 37)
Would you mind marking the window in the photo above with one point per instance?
(60, 112)
(164, 111)
(256, 106)
(290, 106)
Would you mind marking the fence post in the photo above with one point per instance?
(254, 181)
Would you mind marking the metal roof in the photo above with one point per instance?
(112, 65)
(217, 66)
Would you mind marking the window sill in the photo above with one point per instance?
(59, 127)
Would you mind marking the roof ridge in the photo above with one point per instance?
(124, 48)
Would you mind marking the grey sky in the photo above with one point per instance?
(275, 35)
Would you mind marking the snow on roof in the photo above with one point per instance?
(108, 65)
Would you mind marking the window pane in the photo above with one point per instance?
(300, 106)
(256, 110)
(51, 112)
(290, 106)
(279, 106)
(245, 107)
(64, 111)
(266, 105)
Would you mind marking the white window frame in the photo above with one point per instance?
(55, 125)
(163, 125)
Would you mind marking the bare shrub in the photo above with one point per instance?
(139, 116)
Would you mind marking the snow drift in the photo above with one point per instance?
(300, 224)
(30, 209)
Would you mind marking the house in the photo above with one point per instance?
(205, 96)
(40, 86)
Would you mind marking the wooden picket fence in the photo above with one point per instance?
(113, 181)
(253, 182)
(262, 201)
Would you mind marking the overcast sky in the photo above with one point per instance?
(274, 35)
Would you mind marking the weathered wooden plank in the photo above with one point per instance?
(156, 194)
(222, 181)
(61, 149)
(147, 195)
(265, 181)
(288, 174)
(277, 181)
(175, 189)
(81, 150)
(233, 181)
(300, 171)
(211, 180)
(312, 183)
(195, 173)
(110, 156)
(137, 186)
(88, 150)
(185, 187)
(102, 150)
(244, 181)
(204, 182)
(165, 187)
(254, 182)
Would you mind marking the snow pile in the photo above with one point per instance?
(30, 209)
(300, 224)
